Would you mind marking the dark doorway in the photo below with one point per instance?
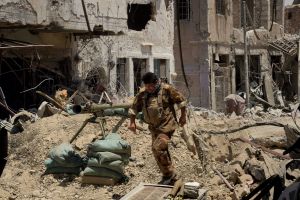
(239, 73)
(160, 68)
(139, 70)
(138, 16)
(254, 67)
(18, 74)
(277, 72)
(121, 74)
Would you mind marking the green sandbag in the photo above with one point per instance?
(102, 172)
(113, 136)
(114, 146)
(64, 153)
(63, 170)
(50, 163)
(104, 157)
(117, 165)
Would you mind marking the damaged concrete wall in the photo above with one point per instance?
(261, 13)
(66, 15)
(194, 34)
(146, 39)
(220, 25)
(292, 16)
(155, 41)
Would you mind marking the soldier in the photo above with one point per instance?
(156, 101)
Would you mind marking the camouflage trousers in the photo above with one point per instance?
(161, 153)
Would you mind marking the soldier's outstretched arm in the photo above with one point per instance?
(133, 111)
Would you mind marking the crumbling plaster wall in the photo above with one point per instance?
(220, 26)
(66, 15)
(194, 36)
(155, 41)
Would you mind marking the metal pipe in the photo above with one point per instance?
(246, 56)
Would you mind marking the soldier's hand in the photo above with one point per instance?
(132, 127)
(182, 120)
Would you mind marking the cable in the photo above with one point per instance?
(48, 79)
(273, 14)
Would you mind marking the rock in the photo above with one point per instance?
(216, 180)
(219, 123)
(254, 168)
(245, 179)
(242, 190)
(191, 189)
(241, 159)
(237, 168)
(176, 142)
(140, 164)
(233, 115)
(233, 177)
(36, 193)
(132, 159)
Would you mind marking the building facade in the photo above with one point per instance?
(115, 40)
(212, 47)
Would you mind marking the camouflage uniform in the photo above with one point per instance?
(158, 111)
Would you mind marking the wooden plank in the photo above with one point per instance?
(268, 90)
(96, 180)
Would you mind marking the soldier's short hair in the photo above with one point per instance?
(149, 77)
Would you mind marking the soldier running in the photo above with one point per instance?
(156, 101)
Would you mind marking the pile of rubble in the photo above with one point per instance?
(235, 153)
(243, 165)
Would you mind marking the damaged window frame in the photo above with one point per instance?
(139, 23)
(184, 9)
(220, 7)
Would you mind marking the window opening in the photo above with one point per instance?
(220, 7)
(184, 7)
(138, 16)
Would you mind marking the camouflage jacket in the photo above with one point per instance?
(158, 109)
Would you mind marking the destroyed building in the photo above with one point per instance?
(213, 52)
(292, 15)
(46, 45)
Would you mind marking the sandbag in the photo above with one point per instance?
(104, 157)
(113, 136)
(114, 146)
(116, 165)
(102, 172)
(50, 163)
(64, 153)
(63, 170)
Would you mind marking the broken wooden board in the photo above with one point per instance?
(96, 180)
(154, 192)
(268, 90)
